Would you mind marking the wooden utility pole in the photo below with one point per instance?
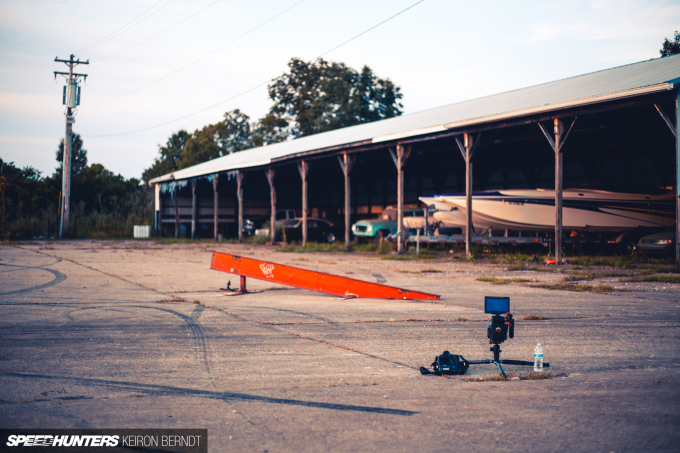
(71, 99)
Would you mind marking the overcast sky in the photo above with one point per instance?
(160, 66)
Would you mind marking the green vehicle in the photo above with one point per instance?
(386, 223)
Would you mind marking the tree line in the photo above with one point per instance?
(103, 204)
(311, 97)
(308, 99)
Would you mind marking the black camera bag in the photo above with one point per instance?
(448, 363)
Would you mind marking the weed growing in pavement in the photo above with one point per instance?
(521, 267)
(515, 376)
(312, 247)
(580, 276)
(533, 318)
(654, 278)
(175, 299)
(599, 289)
(502, 281)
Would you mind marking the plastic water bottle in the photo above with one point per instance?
(538, 358)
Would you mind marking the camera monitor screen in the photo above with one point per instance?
(496, 305)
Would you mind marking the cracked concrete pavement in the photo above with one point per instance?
(135, 334)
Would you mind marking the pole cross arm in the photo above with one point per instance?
(74, 62)
(56, 73)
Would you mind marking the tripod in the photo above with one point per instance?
(496, 349)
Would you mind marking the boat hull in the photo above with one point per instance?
(582, 210)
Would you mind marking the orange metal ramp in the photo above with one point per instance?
(306, 279)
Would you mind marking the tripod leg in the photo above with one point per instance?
(500, 370)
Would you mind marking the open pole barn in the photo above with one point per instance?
(613, 128)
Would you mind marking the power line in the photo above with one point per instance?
(367, 30)
(159, 33)
(257, 86)
(198, 59)
(119, 31)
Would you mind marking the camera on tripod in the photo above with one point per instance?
(502, 323)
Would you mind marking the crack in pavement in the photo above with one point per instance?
(153, 389)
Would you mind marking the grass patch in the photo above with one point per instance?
(593, 276)
(533, 318)
(655, 278)
(662, 269)
(368, 321)
(501, 281)
(431, 271)
(312, 247)
(516, 267)
(514, 376)
(599, 289)
(176, 299)
(462, 319)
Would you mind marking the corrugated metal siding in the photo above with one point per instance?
(610, 81)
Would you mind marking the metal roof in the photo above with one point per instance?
(661, 74)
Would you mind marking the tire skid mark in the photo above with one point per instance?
(155, 389)
(58, 277)
(196, 330)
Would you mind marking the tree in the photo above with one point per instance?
(321, 96)
(233, 133)
(270, 129)
(670, 47)
(78, 156)
(202, 146)
(170, 156)
(309, 99)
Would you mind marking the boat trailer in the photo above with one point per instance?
(312, 280)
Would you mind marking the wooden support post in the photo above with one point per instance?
(675, 130)
(270, 173)
(559, 185)
(194, 209)
(239, 198)
(346, 164)
(175, 196)
(557, 143)
(677, 181)
(303, 168)
(216, 206)
(400, 159)
(159, 210)
(400, 199)
(467, 149)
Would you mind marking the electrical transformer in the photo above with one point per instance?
(71, 94)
